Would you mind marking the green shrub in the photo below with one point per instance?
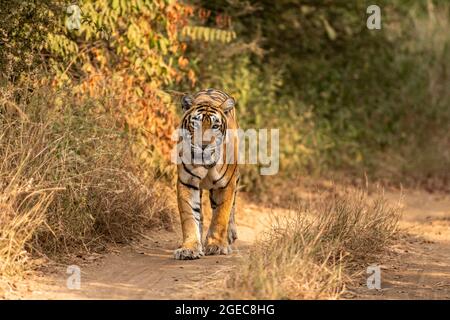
(345, 98)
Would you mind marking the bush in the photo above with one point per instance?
(315, 252)
(68, 183)
(345, 98)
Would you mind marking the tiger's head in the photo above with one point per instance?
(205, 123)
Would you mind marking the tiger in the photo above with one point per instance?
(208, 111)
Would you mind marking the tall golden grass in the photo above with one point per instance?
(67, 181)
(317, 251)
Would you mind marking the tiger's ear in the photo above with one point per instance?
(228, 105)
(186, 102)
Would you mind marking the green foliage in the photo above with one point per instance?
(208, 34)
(344, 97)
(24, 26)
(141, 36)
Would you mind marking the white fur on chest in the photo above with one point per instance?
(202, 177)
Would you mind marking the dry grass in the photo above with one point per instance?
(317, 251)
(67, 181)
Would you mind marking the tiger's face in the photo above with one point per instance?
(204, 126)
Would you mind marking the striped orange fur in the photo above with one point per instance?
(212, 110)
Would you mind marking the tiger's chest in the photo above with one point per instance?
(202, 177)
(214, 179)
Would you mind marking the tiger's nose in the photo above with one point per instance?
(204, 146)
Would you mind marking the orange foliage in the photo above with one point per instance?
(146, 57)
(137, 107)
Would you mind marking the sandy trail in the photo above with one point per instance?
(147, 269)
(416, 267)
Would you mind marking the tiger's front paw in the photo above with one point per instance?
(215, 247)
(188, 252)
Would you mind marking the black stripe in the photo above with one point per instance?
(214, 94)
(235, 192)
(202, 108)
(213, 203)
(188, 171)
(221, 167)
(188, 185)
(215, 181)
(187, 202)
(216, 98)
(212, 91)
(200, 93)
(230, 178)
(198, 210)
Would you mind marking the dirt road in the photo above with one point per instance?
(416, 267)
(147, 269)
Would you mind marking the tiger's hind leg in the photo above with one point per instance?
(201, 216)
(232, 229)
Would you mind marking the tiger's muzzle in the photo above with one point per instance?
(206, 155)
